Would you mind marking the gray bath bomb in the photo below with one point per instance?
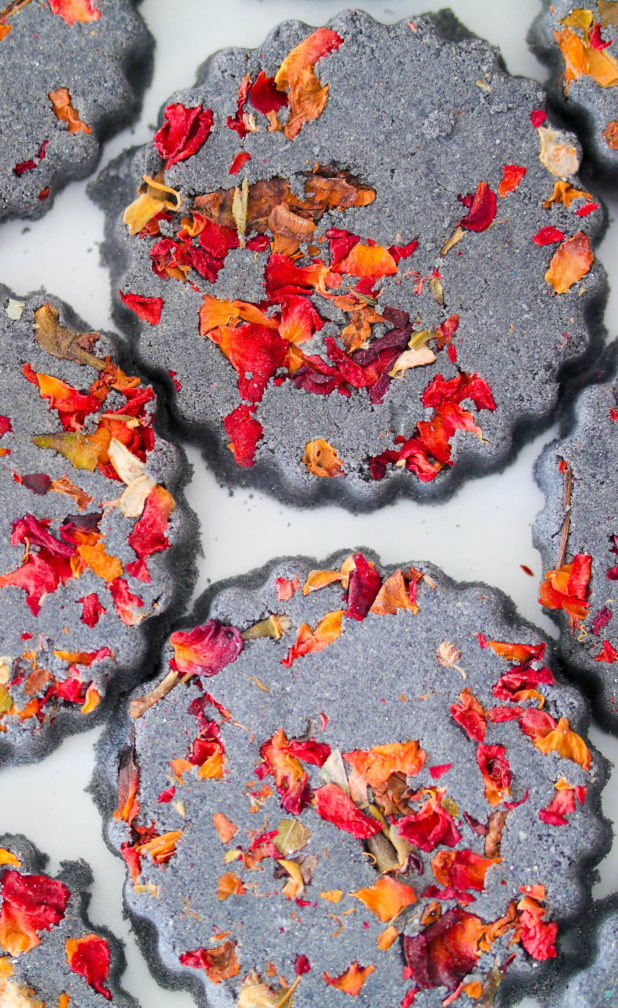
(344, 371)
(88, 62)
(580, 47)
(577, 529)
(47, 941)
(370, 778)
(94, 529)
(596, 985)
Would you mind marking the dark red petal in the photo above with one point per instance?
(482, 209)
(183, 132)
(265, 96)
(245, 432)
(148, 309)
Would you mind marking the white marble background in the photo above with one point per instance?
(483, 533)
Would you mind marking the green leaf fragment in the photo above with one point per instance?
(292, 836)
(77, 448)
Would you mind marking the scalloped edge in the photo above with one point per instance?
(178, 564)
(103, 790)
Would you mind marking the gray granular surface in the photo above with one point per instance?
(375, 370)
(580, 46)
(597, 985)
(329, 808)
(580, 529)
(43, 922)
(93, 525)
(94, 57)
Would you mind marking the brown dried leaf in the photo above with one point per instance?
(64, 486)
(62, 341)
(274, 626)
(608, 12)
(292, 836)
(450, 243)
(139, 706)
(240, 201)
(290, 229)
(493, 839)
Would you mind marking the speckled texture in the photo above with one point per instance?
(419, 148)
(43, 971)
(595, 986)
(590, 448)
(589, 106)
(40, 652)
(379, 682)
(104, 64)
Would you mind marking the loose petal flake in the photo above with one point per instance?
(352, 980)
(307, 96)
(570, 263)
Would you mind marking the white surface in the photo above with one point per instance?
(483, 533)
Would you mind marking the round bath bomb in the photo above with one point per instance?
(49, 953)
(353, 781)
(362, 255)
(88, 62)
(577, 534)
(596, 986)
(93, 525)
(580, 46)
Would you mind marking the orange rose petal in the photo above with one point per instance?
(352, 980)
(307, 96)
(367, 261)
(7, 858)
(603, 68)
(308, 640)
(575, 55)
(65, 111)
(224, 827)
(321, 459)
(317, 579)
(387, 938)
(377, 764)
(229, 884)
(611, 134)
(386, 898)
(565, 193)
(571, 261)
(564, 741)
(393, 596)
(332, 895)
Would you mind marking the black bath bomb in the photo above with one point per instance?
(580, 46)
(94, 529)
(362, 255)
(577, 534)
(72, 73)
(596, 984)
(355, 781)
(50, 953)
